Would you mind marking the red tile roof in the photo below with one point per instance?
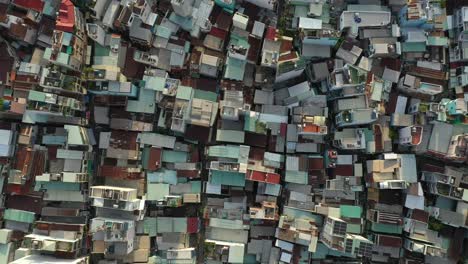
(344, 170)
(154, 161)
(219, 33)
(420, 215)
(188, 173)
(118, 172)
(256, 153)
(6, 63)
(288, 56)
(270, 33)
(283, 129)
(260, 176)
(66, 16)
(37, 5)
(316, 163)
(286, 45)
(192, 225)
(389, 241)
(31, 203)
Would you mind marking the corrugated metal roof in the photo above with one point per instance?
(162, 176)
(154, 83)
(234, 136)
(387, 228)
(205, 95)
(224, 151)
(184, 92)
(145, 104)
(174, 156)
(157, 191)
(350, 211)
(19, 215)
(227, 178)
(158, 140)
(299, 177)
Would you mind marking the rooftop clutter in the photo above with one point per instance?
(258, 131)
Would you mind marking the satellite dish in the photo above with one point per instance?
(357, 18)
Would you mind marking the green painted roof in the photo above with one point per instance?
(162, 176)
(174, 156)
(233, 136)
(149, 226)
(196, 186)
(163, 31)
(437, 41)
(154, 83)
(235, 69)
(157, 191)
(413, 47)
(36, 96)
(101, 51)
(184, 92)
(353, 228)
(205, 95)
(250, 121)
(227, 178)
(19, 216)
(224, 151)
(171, 224)
(386, 228)
(144, 104)
(351, 211)
(300, 177)
(5, 251)
(57, 185)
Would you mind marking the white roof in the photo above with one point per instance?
(209, 60)
(364, 19)
(258, 29)
(310, 23)
(5, 137)
(33, 259)
(5, 146)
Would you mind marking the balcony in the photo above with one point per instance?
(113, 193)
(146, 58)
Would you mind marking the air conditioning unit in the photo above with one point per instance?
(206, 26)
(246, 107)
(36, 244)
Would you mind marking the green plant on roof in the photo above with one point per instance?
(210, 248)
(423, 107)
(260, 127)
(88, 73)
(435, 224)
(392, 134)
(443, 3)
